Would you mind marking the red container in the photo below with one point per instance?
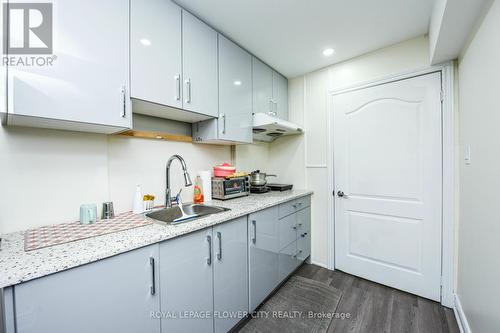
(224, 170)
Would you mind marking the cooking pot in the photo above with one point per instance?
(258, 178)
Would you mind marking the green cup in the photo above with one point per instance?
(88, 214)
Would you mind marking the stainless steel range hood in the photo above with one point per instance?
(267, 128)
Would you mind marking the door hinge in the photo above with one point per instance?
(442, 95)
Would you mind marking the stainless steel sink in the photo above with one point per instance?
(189, 212)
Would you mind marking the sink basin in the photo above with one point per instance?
(189, 212)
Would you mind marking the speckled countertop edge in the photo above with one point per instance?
(18, 266)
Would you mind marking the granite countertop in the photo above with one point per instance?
(18, 266)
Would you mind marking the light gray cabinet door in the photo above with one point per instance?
(304, 245)
(230, 273)
(155, 51)
(304, 233)
(111, 295)
(280, 95)
(262, 87)
(235, 92)
(288, 260)
(263, 238)
(187, 283)
(87, 79)
(199, 64)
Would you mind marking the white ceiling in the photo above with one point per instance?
(290, 35)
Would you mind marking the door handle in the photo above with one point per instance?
(341, 194)
(219, 237)
(153, 284)
(188, 91)
(124, 102)
(177, 79)
(254, 238)
(209, 259)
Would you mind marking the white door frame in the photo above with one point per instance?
(449, 156)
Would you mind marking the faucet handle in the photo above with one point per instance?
(178, 198)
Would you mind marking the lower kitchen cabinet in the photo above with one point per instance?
(230, 273)
(263, 245)
(304, 245)
(288, 260)
(304, 233)
(295, 235)
(203, 278)
(203, 282)
(117, 294)
(186, 283)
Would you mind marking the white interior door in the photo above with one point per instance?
(388, 166)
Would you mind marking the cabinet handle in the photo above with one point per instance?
(124, 102)
(223, 116)
(209, 259)
(304, 234)
(275, 108)
(188, 91)
(271, 107)
(254, 238)
(297, 254)
(219, 237)
(177, 79)
(153, 284)
(294, 227)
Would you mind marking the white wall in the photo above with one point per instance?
(46, 175)
(308, 95)
(252, 157)
(479, 235)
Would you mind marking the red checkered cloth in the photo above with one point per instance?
(69, 232)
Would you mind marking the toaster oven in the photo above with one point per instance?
(224, 189)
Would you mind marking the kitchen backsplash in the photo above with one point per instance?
(46, 175)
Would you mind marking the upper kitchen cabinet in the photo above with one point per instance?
(235, 92)
(262, 87)
(173, 62)
(280, 96)
(155, 52)
(234, 124)
(79, 79)
(199, 66)
(270, 91)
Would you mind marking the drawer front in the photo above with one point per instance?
(303, 202)
(287, 208)
(304, 220)
(288, 260)
(304, 246)
(288, 230)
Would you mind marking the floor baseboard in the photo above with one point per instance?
(463, 324)
(320, 264)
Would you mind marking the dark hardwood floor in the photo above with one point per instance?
(375, 308)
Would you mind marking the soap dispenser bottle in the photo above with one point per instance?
(198, 197)
(138, 201)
